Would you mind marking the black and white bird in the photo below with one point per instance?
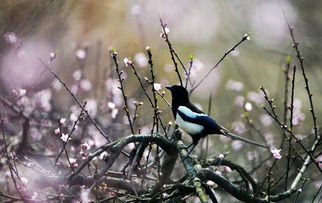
(193, 121)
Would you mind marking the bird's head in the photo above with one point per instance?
(179, 93)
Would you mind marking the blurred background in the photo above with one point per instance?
(76, 37)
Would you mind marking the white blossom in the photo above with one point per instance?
(157, 86)
(234, 85)
(141, 60)
(80, 54)
(248, 106)
(64, 137)
(85, 84)
(77, 75)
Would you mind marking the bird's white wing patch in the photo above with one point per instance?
(186, 111)
(188, 127)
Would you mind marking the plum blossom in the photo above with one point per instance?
(127, 62)
(141, 59)
(85, 146)
(319, 160)
(57, 131)
(62, 121)
(64, 137)
(24, 180)
(256, 97)
(91, 107)
(80, 54)
(234, 85)
(73, 162)
(111, 105)
(20, 92)
(221, 156)
(276, 153)
(56, 85)
(157, 86)
(236, 145)
(226, 169)
(52, 56)
(84, 196)
(43, 98)
(77, 75)
(248, 106)
(74, 89)
(12, 39)
(239, 101)
(85, 85)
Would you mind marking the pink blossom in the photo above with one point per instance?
(127, 62)
(319, 160)
(85, 146)
(226, 169)
(73, 162)
(57, 131)
(276, 153)
(239, 101)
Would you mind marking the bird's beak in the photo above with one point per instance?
(169, 87)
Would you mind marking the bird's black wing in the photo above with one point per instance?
(209, 124)
(194, 108)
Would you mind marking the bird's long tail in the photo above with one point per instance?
(236, 137)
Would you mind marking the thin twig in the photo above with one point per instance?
(245, 37)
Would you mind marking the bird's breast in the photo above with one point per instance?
(188, 127)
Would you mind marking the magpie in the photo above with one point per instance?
(194, 122)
